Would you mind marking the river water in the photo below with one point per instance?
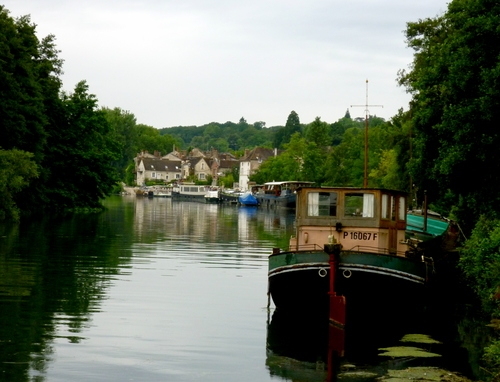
(155, 290)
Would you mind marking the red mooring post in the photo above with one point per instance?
(336, 319)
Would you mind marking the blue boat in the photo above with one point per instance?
(247, 199)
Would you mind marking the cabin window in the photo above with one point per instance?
(362, 205)
(322, 204)
(393, 208)
(385, 206)
(402, 208)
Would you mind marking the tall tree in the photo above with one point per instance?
(318, 132)
(21, 101)
(292, 126)
(80, 153)
(125, 133)
(454, 83)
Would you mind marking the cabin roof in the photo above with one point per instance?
(288, 182)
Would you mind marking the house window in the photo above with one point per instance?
(203, 166)
(177, 176)
(322, 204)
(202, 176)
(153, 175)
(361, 205)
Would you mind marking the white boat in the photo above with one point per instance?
(213, 196)
(190, 192)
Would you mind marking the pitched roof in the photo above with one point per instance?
(229, 163)
(151, 164)
(258, 153)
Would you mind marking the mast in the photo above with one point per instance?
(365, 177)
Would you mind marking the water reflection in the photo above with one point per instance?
(378, 341)
(149, 289)
(158, 290)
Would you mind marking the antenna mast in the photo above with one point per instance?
(365, 178)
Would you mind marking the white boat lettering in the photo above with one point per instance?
(358, 235)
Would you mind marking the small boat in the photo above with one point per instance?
(368, 227)
(213, 196)
(425, 227)
(189, 192)
(280, 194)
(164, 192)
(229, 196)
(248, 199)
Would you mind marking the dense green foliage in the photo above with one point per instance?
(480, 262)
(454, 82)
(133, 138)
(57, 148)
(62, 152)
(17, 168)
(333, 154)
(225, 137)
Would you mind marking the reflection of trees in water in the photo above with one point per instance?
(53, 276)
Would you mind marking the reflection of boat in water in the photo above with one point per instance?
(301, 345)
(279, 194)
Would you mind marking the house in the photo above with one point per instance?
(251, 162)
(200, 168)
(179, 165)
(155, 167)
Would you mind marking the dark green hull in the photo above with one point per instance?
(301, 279)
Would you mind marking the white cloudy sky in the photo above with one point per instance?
(191, 62)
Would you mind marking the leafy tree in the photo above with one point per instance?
(386, 175)
(81, 171)
(453, 81)
(125, 134)
(301, 160)
(318, 132)
(336, 172)
(339, 128)
(292, 126)
(350, 153)
(21, 108)
(150, 139)
(480, 262)
(17, 168)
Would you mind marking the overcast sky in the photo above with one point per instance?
(192, 62)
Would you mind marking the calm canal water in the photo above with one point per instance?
(152, 290)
